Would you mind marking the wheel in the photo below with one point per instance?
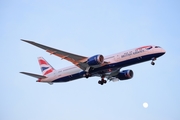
(100, 82)
(152, 63)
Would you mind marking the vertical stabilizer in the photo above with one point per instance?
(46, 68)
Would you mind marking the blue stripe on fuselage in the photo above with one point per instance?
(109, 66)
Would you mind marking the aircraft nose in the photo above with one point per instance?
(163, 51)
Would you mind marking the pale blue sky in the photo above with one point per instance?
(87, 28)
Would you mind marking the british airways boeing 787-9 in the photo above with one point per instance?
(108, 67)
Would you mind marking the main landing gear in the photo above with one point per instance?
(87, 75)
(102, 81)
(153, 63)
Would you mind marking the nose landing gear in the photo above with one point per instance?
(153, 63)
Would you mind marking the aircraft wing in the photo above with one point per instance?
(75, 59)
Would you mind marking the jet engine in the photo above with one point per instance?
(125, 75)
(95, 60)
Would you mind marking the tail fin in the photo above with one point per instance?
(46, 68)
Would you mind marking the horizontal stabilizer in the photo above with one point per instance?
(33, 75)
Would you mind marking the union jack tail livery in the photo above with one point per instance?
(46, 68)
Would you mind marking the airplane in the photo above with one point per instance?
(108, 68)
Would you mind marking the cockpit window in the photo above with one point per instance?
(157, 47)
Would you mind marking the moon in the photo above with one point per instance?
(145, 104)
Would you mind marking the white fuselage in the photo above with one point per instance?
(133, 54)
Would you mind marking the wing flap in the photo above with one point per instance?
(33, 75)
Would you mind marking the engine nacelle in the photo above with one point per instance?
(95, 60)
(125, 74)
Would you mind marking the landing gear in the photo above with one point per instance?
(153, 63)
(88, 72)
(102, 81)
(87, 75)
